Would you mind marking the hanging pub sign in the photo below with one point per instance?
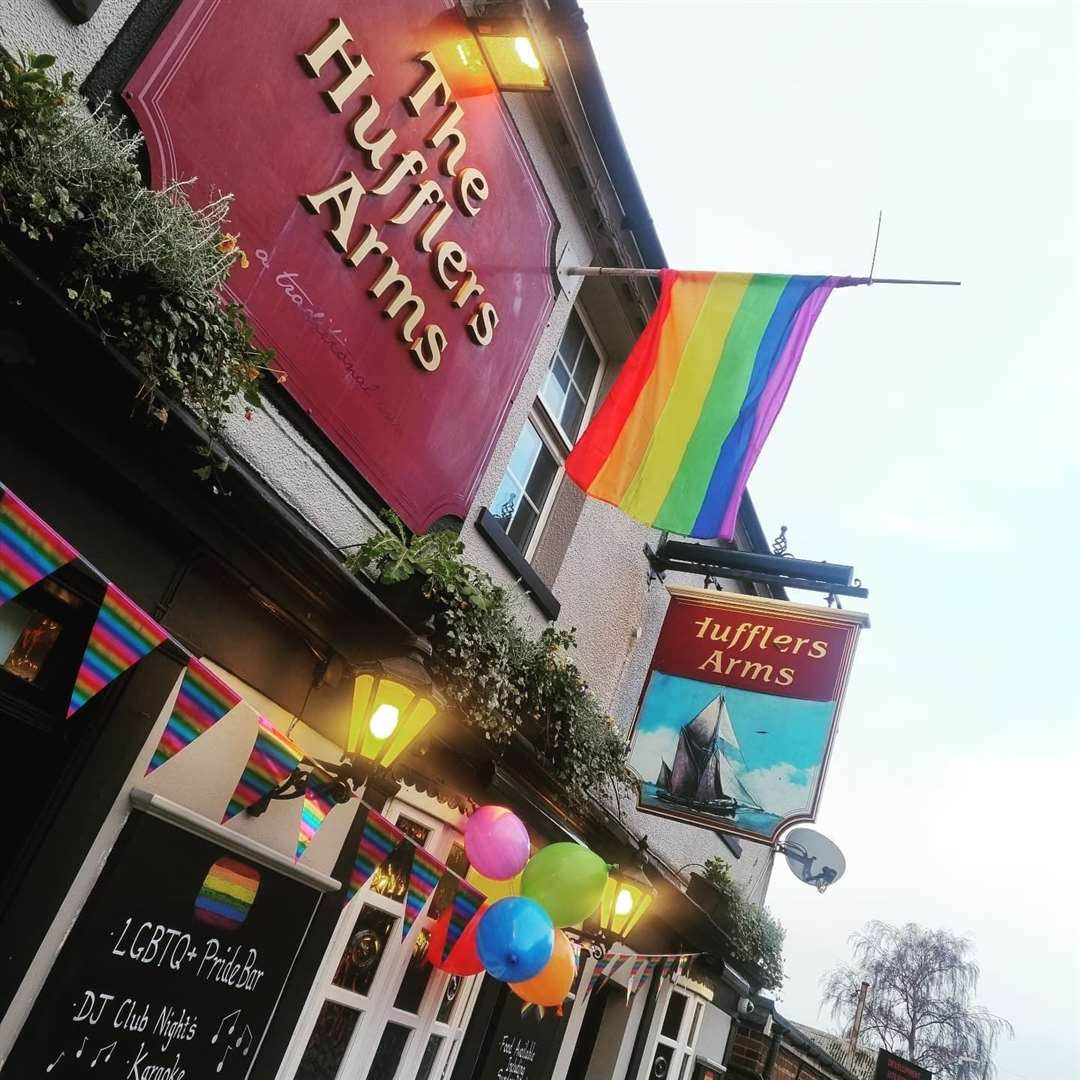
(737, 717)
(400, 241)
(892, 1067)
(175, 964)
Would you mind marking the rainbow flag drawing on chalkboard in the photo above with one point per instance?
(227, 894)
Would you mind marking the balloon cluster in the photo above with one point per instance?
(516, 937)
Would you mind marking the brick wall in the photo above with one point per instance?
(750, 1049)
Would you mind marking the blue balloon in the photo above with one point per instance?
(515, 939)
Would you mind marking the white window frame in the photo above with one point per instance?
(684, 1045)
(376, 1008)
(550, 430)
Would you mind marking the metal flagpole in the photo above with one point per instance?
(638, 272)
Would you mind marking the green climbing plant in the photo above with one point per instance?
(145, 266)
(502, 679)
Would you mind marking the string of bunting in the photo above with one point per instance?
(642, 968)
(122, 635)
(379, 839)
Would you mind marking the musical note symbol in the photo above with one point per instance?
(221, 1063)
(49, 1068)
(249, 1035)
(78, 1053)
(110, 1047)
(232, 1027)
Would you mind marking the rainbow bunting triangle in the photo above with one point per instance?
(203, 700)
(467, 902)
(29, 549)
(424, 877)
(318, 802)
(600, 971)
(122, 635)
(272, 760)
(377, 841)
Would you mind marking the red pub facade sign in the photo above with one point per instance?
(400, 241)
(738, 714)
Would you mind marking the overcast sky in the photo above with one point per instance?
(932, 437)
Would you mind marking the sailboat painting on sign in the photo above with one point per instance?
(737, 716)
(754, 776)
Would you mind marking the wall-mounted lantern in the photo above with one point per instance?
(510, 52)
(627, 896)
(394, 701)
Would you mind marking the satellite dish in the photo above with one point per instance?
(813, 858)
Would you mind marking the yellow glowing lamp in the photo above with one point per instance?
(393, 702)
(627, 896)
(511, 53)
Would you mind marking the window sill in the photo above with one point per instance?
(509, 555)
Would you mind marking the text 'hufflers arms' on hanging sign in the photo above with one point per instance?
(401, 241)
(771, 646)
(739, 709)
(173, 967)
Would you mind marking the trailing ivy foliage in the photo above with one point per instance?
(145, 266)
(501, 679)
(757, 935)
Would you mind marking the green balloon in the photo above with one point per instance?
(566, 880)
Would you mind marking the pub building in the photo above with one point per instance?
(408, 235)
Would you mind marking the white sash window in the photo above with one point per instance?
(378, 1010)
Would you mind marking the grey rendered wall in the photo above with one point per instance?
(39, 26)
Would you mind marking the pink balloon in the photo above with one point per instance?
(496, 842)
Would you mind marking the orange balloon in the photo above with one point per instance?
(553, 983)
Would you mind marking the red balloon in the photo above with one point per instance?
(463, 958)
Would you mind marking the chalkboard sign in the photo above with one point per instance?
(173, 967)
(891, 1067)
(522, 1045)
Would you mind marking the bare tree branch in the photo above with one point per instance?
(922, 999)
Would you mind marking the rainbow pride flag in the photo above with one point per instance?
(122, 635)
(378, 839)
(272, 759)
(29, 549)
(425, 874)
(675, 439)
(202, 701)
(318, 802)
